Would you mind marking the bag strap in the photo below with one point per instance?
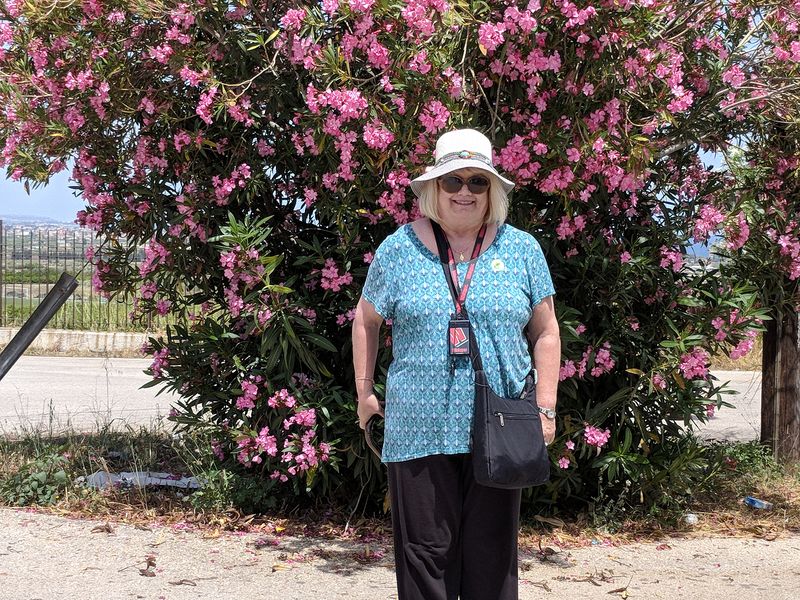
(443, 246)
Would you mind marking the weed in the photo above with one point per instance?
(42, 481)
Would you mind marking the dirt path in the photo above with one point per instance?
(52, 558)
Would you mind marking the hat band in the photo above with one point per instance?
(462, 155)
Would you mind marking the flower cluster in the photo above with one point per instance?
(596, 437)
(332, 279)
(694, 364)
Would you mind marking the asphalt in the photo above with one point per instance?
(42, 392)
(56, 393)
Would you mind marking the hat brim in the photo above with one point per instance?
(418, 184)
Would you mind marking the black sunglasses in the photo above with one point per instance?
(453, 184)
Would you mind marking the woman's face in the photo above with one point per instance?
(463, 208)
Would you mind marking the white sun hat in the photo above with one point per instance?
(461, 149)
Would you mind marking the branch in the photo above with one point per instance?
(674, 148)
(764, 97)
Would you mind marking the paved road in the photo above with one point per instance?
(83, 393)
(87, 392)
(742, 423)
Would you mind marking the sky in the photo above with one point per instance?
(55, 200)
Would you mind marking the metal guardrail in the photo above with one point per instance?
(32, 259)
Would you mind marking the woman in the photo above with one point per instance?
(454, 538)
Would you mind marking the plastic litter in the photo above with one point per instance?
(691, 519)
(102, 479)
(756, 503)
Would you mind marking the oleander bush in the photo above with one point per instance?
(262, 150)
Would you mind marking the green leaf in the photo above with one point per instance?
(320, 341)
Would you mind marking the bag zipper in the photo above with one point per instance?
(503, 417)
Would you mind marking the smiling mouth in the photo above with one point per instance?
(463, 202)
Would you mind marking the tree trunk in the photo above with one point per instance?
(780, 388)
(769, 370)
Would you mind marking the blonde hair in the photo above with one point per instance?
(498, 201)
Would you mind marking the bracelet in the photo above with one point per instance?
(365, 379)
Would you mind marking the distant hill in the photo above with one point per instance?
(33, 220)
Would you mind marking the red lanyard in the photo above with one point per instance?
(460, 295)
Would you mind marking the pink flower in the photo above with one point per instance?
(694, 364)
(573, 154)
(603, 361)
(434, 116)
(266, 443)
(74, 119)
(419, 63)
(281, 398)
(557, 179)
(707, 222)
(293, 19)
(671, 258)
(193, 78)
(161, 53)
(563, 462)
(306, 418)
(683, 99)
(163, 306)
(377, 137)
(570, 445)
(568, 227)
(734, 76)
(249, 396)
(490, 36)
(159, 363)
(203, 109)
(216, 448)
(596, 437)
(567, 370)
(743, 348)
(362, 6)
(378, 55)
(346, 317)
(737, 233)
(659, 382)
(331, 280)
(181, 140)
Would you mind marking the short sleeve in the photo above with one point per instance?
(377, 287)
(540, 282)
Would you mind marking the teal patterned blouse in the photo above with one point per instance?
(428, 403)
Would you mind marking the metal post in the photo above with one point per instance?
(54, 300)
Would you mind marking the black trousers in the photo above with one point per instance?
(453, 538)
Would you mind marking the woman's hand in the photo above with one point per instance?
(548, 429)
(367, 407)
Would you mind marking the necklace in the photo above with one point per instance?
(461, 257)
(463, 251)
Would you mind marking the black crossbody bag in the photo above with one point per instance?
(508, 449)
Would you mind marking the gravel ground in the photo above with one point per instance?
(46, 557)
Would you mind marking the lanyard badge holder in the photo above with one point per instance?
(459, 335)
